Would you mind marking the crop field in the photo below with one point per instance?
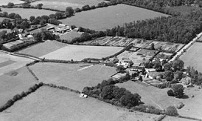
(193, 56)
(79, 52)
(44, 48)
(26, 13)
(50, 104)
(62, 4)
(5, 2)
(75, 76)
(13, 83)
(106, 18)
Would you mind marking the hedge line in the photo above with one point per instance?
(17, 97)
(62, 88)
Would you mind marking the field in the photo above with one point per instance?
(159, 98)
(69, 35)
(106, 18)
(75, 76)
(44, 48)
(5, 2)
(62, 4)
(49, 104)
(26, 13)
(79, 52)
(13, 83)
(193, 56)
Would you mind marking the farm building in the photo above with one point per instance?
(61, 28)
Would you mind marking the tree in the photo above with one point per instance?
(120, 69)
(152, 46)
(10, 5)
(69, 11)
(178, 65)
(59, 15)
(178, 90)
(168, 75)
(178, 75)
(167, 67)
(157, 65)
(39, 6)
(25, 25)
(17, 16)
(38, 37)
(32, 18)
(118, 92)
(86, 7)
(130, 99)
(107, 92)
(26, 5)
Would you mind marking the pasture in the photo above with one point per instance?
(106, 18)
(79, 52)
(75, 76)
(50, 104)
(44, 48)
(5, 2)
(62, 4)
(158, 97)
(26, 13)
(193, 56)
(13, 83)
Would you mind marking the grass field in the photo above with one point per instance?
(13, 83)
(5, 2)
(44, 48)
(26, 13)
(106, 18)
(49, 104)
(62, 4)
(75, 76)
(193, 56)
(79, 52)
(70, 35)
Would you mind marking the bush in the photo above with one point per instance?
(171, 111)
(170, 92)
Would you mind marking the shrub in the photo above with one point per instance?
(170, 92)
(171, 111)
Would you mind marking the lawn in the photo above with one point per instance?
(5, 2)
(44, 48)
(79, 52)
(26, 13)
(62, 4)
(193, 56)
(49, 104)
(13, 83)
(75, 76)
(106, 18)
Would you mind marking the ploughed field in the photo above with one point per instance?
(75, 76)
(50, 104)
(62, 4)
(193, 56)
(5, 2)
(109, 17)
(26, 13)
